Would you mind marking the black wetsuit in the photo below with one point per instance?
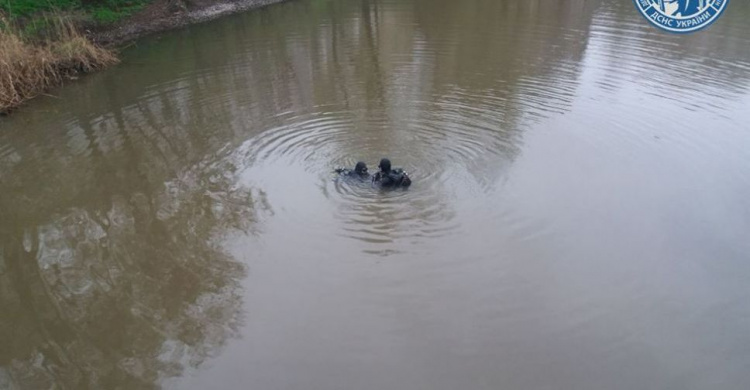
(359, 172)
(348, 173)
(393, 178)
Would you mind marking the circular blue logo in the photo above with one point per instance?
(681, 16)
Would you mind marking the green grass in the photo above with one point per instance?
(100, 11)
(16, 8)
(111, 13)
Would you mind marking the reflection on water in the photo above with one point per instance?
(579, 217)
(121, 293)
(112, 269)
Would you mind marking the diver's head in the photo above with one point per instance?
(361, 168)
(385, 165)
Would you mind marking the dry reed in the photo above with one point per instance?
(30, 66)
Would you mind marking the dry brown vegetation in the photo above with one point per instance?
(31, 65)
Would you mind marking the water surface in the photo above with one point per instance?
(579, 219)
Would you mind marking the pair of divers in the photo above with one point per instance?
(386, 177)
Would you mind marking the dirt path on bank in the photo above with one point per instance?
(163, 15)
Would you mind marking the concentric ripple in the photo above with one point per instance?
(313, 145)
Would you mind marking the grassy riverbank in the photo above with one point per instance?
(41, 43)
(29, 65)
(44, 42)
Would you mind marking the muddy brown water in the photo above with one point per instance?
(579, 219)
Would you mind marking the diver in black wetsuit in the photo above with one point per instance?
(359, 171)
(391, 178)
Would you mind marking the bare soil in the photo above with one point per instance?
(162, 15)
